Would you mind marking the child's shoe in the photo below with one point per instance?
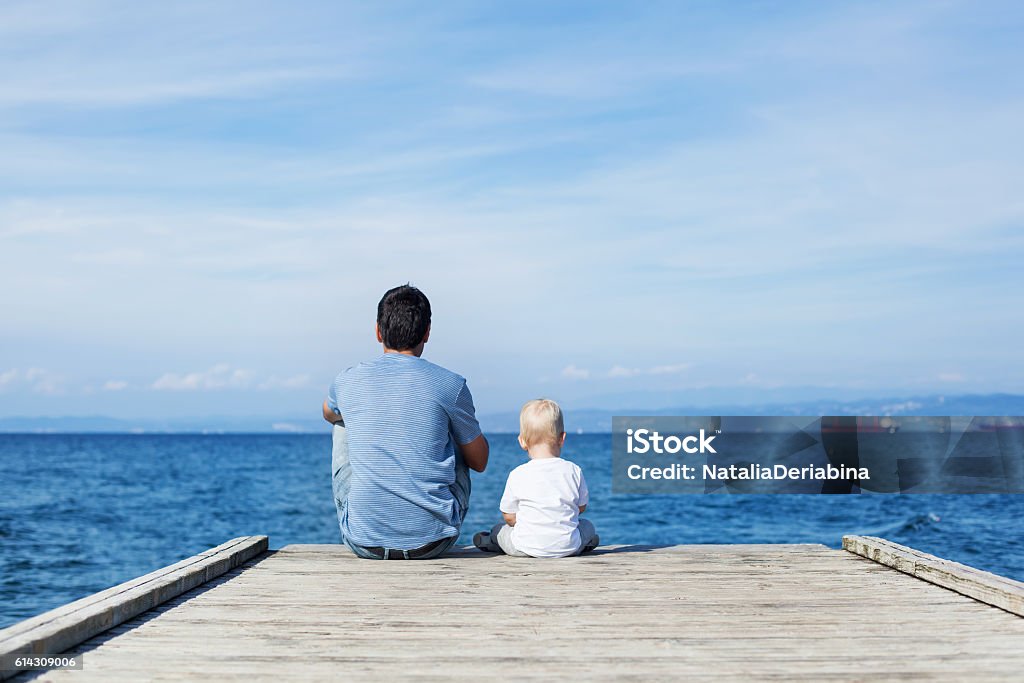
(482, 540)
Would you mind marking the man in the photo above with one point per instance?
(405, 432)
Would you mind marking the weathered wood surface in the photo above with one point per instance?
(68, 625)
(742, 612)
(989, 588)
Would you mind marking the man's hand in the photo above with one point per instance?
(475, 453)
(330, 415)
(510, 518)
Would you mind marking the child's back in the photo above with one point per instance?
(543, 497)
(546, 495)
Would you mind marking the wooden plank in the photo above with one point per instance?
(983, 586)
(792, 612)
(59, 629)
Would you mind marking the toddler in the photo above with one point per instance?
(544, 496)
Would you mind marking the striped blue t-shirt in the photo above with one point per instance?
(403, 417)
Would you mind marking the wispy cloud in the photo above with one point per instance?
(232, 85)
(128, 55)
(221, 376)
(294, 382)
(594, 78)
(621, 372)
(35, 380)
(575, 373)
(45, 382)
(9, 377)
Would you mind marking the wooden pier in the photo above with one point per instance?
(875, 610)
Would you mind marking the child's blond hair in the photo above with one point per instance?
(540, 421)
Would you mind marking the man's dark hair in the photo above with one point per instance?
(403, 316)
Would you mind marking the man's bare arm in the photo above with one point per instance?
(475, 453)
(510, 518)
(330, 415)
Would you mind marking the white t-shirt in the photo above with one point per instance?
(546, 494)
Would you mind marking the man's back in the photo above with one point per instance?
(404, 417)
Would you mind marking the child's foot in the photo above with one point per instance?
(596, 541)
(482, 540)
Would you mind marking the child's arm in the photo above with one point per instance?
(509, 501)
(583, 508)
(583, 493)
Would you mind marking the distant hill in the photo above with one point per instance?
(601, 420)
(198, 425)
(585, 420)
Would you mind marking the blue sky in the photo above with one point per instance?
(200, 205)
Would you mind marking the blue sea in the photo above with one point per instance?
(80, 513)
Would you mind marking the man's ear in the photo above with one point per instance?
(376, 328)
(522, 444)
(426, 336)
